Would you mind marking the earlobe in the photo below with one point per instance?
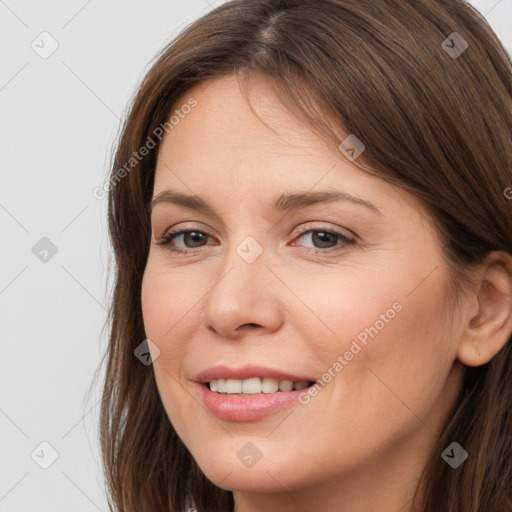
(489, 329)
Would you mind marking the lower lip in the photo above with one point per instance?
(248, 407)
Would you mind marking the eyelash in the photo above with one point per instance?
(167, 239)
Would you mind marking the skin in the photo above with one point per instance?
(360, 444)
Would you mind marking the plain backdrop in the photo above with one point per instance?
(67, 72)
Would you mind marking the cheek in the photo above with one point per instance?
(349, 314)
(388, 342)
(161, 314)
(167, 309)
(172, 294)
(406, 355)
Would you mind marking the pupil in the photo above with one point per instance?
(317, 234)
(192, 235)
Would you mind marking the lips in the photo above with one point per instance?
(248, 372)
(247, 407)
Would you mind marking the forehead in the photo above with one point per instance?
(222, 148)
(223, 120)
(221, 138)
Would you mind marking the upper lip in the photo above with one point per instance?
(248, 372)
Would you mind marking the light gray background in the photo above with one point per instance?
(59, 118)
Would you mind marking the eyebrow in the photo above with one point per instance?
(282, 203)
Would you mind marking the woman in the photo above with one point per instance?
(313, 242)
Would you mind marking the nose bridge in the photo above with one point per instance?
(243, 267)
(242, 293)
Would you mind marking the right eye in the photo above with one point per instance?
(190, 236)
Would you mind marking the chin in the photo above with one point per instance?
(229, 473)
(248, 480)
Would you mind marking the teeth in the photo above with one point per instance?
(269, 385)
(254, 385)
(233, 386)
(250, 386)
(286, 385)
(221, 386)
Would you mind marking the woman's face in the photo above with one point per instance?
(349, 293)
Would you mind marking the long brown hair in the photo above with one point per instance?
(434, 122)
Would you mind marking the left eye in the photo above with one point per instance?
(324, 238)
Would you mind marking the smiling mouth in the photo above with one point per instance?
(255, 386)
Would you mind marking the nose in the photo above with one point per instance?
(245, 296)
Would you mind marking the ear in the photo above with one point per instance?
(489, 325)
